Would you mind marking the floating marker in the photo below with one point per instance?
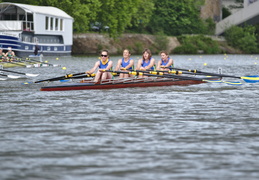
(64, 68)
(57, 58)
(205, 64)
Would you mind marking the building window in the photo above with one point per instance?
(47, 23)
(61, 24)
(57, 24)
(51, 23)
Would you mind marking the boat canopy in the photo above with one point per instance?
(47, 10)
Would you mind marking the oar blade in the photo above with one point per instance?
(31, 75)
(214, 81)
(226, 82)
(251, 79)
(29, 66)
(3, 79)
(13, 76)
(233, 83)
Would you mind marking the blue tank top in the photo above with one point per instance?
(103, 66)
(165, 63)
(124, 64)
(145, 64)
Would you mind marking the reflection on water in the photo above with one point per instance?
(206, 131)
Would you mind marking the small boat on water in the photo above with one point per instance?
(30, 29)
(124, 83)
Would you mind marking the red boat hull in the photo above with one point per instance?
(87, 86)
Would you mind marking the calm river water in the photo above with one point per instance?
(206, 131)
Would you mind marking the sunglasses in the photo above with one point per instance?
(104, 55)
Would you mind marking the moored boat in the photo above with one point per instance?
(30, 29)
(18, 64)
(123, 83)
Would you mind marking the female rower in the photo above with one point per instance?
(147, 62)
(10, 54)
(125, 64)
(104, 64)
(165, 62)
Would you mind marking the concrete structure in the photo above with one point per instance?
(247, 15)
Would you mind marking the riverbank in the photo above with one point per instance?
(92, 43)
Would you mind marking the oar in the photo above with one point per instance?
(181, 72)
(10, 76)
(78, 77)
(174, 72)
(27, 74)
(2, 79)
(250, 79)
(64, 77)
(160, 74)
(33, 60)
(16, 63)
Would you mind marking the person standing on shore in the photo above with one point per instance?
(103, 64)
(125, 64)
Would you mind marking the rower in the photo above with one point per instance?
(103, 64)
(10, 54)
(125, 64)
(2, 55)
(147, 62)
(165, 62)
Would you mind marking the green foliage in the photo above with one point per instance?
(138, 47)
(186, 49)
(194, 44)
(117, 14)
(176, 18)
(153, 16)
(242, 38)
(161, 41)
(142, 16)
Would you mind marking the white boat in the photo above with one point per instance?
(25, 27)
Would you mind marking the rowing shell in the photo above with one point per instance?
(122, 83)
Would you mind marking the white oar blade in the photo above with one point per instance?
(13, 77)
(31, 75)
(29, 66)
(36, 65)
(2, 79)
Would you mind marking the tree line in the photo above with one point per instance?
(168, 17)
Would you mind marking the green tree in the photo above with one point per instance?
(83, 11)
(117, 14)
(242, 38)
(176, 17)
(143, 15)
